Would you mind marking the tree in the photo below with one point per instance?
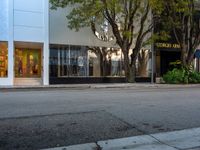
(129, 20)
(183, 18)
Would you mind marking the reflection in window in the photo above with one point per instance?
(143, 63)
(3, 59)
(105, 62)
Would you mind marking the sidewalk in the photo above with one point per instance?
(106, 85)
(178, 140)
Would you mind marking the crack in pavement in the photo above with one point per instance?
(98, 146)
(139, 130)
(161, 142)
(48, 115)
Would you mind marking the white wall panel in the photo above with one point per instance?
(29, 23)
(4, 20)
(30, 19)
(28, 34)
(29, 5)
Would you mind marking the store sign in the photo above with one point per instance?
(168, 45)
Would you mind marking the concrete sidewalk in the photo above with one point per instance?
(106, 85)
(178, 140)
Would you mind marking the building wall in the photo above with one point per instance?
(31, 25)
(61, 34)
(29, 21)
(4, 7)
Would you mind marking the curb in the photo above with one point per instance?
(99, 86)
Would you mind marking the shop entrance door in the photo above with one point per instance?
(27, 63)
(166, 58)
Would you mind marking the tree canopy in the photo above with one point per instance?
(183, 18)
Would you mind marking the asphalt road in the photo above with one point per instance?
(50, 118)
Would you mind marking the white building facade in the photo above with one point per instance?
(24, 42)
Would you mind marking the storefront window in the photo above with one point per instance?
(3, 59)
(143, 63)
(64, 61)
(81, 61)
(105, 62)
(78, 61)
(53, 64)
(68, 61)
(27, 63)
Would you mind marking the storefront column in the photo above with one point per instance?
(11, 45)
(46, 45)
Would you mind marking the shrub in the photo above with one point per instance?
(176, 76)
(181, 76)
(194, 77)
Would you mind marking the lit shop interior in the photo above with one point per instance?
(27, 63)
(3, 59)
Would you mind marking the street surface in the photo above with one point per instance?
(59, 117)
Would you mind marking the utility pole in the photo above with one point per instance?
(152, 51)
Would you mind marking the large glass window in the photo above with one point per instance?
(143, 63)
(53, 64)
(68, 61)
(3, 59)
(78, 61)
(82, 61)
(105, 62)
(27, 63)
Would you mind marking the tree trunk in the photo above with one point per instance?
(190, 60)
(101, 64)
(133, 71)
(190, 57)
(129, 68)
(104, 67)
(184, 55)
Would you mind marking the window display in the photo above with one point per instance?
(27, 63)
(3, 59)
(68, 61)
